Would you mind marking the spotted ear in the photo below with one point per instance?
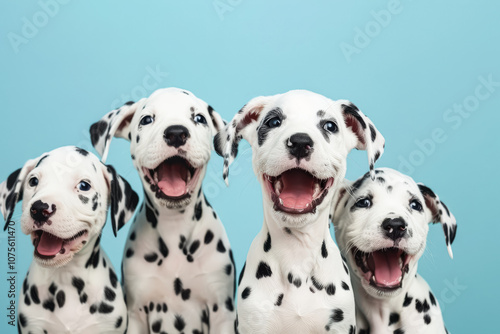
(217, 120)
(11, 190)
(440, 214)
(368, 137)
(340, 197)
(227, 140)
(124, 199)
(115, 123)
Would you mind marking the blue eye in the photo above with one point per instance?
(33, 182)
(415, 205)
(274, 122)
(330, 126)
(200, 119)
(84, 186)
(364, 202)
(146, 120)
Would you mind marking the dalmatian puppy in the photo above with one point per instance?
(71, 286)
(381, 227)
(294, 280)
(178, 267)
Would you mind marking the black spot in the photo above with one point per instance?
(204, 317)
(324, 251)
(228, 269)
(179, 323)
(426, 305)
(109, 294)
(49, 305)
(330, 289)
(220, 247)
(118, 322)
(112, 278)
(151, 257)
(431, 297)
(215, 308)
(92, 308)
(151, 217)
(393, 318)
(61, 298)
(82, 151)
(297, 282)
(373, 132)
(52, 288)
(177, 286)
(129, 253)
(246, 292)
(316, 283)
(345, 286)
(22, 320)
(197, 210)
(194, 246)
(427, 319)
(279, 300)
(27, 300)
(267, 244)
(242, 273)
(164, 308)
(229, 304)
(418, 306)
(34, 294)
(132, 236)
(83, 298)
(397, 331)
(137, 139)
(287, 230)
(263, 270)
(105, 308)
(337, 315)
(162, 247)
(407, 301)
(151, 306)
(156, 327)
(185, 294)
(208, 237)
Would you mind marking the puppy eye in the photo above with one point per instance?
(274, 122)
(330, 126)
(84, 186)
(415, 205)
(200, 119)
(146, 120)
(364, 202)
(33, 182)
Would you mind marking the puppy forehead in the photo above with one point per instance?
(390, 179)
(299, 102)
(172, 101)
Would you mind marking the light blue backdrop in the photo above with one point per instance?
(426, 73)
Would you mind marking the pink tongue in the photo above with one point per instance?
(298, 189)
(49, 244)
(387, 270)
(172, 179)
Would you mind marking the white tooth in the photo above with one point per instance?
(188, 177)
(308, 205)
(156, 177)
(317, 189)
(373, 279)
(278, 186)
(281, 201)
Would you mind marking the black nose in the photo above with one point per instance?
(176, 135)
(41, 212)
(300, 145)
(395, 228)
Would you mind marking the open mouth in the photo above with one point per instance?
(384, 269)
(47, 245)
(173, 179)
(297, 191)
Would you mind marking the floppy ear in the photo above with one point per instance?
(440, 214)
(116, 123)
(227, 140)
(124, 199)
(217, 121)
(340, 197)
(11, 190)
(368, 137)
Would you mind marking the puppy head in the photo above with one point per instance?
(381, 227)
(65, 194)
(170, 136)
(300, 141)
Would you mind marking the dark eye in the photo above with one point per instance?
(33, 182)
(364, 202)
(146, 120)
(330, 126)
(274, 122)
(84, 186)
(415, 205)
(200, 119)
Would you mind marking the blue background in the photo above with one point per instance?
(405, 71)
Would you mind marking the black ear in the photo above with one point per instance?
(11, 190)
(368, 137)
(440, 214)
(115, 123)
(124, 199)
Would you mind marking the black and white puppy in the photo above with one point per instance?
(294, 280)
(381, 227)
(71, 286)
(178, 266)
